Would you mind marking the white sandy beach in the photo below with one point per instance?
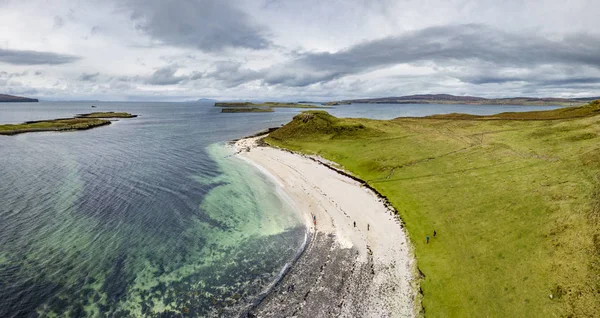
(337, 202)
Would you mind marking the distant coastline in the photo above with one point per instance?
(247, 110)
(265, 104)
(469, 100)
(16, 99)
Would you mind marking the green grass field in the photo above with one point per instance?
(514, 198)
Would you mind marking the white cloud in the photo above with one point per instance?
(285, 49)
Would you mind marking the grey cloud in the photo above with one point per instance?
(126, 78)
(27, 91)
(228, 73)
(165, 76)
(19, 57)
(448, 45)
(555, 75)
(59, 22)
(95, 30)
(232, 74)
(491, 79)
(572, 81)
(88, 77)
(121, 86)
(7, 75)
(537, 80)
(208, 25)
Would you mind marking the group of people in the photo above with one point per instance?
(427, 237)
(368, 225)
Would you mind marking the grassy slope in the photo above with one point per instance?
(516, 204)
(587, 110)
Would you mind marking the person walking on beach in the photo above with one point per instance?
(315, 219)
(354, 223)
(368, 226)
(434, 233)
(427, 239)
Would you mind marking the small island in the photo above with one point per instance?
(79, 122)
(16, 99)
(247, 110)
(337, 103)
(266, 104)
(106, 115)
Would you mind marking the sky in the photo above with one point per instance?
(167, 50)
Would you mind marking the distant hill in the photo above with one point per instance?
(473, 100)
(16, 99)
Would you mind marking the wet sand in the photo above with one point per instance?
(366, 270)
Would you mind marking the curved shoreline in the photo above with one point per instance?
(277, 282)
(309, 234)
(357, 262)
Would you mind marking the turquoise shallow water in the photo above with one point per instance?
(150, 216)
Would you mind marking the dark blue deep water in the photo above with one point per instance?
(149, 216)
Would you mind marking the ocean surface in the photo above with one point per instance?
(149, 216)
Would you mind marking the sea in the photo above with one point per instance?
(151, 216)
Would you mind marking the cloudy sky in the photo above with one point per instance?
(292, 49)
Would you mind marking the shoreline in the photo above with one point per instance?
(308, 236)
(353, 263)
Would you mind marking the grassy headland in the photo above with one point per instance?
(247, 110)
(81, 122)
(514, 198)
(266, 104)
(16, 99)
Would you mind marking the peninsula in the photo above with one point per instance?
(79, 122)
(266, 104)
(469, 100)
(16, 99)
(500, 211)
(247, 110)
